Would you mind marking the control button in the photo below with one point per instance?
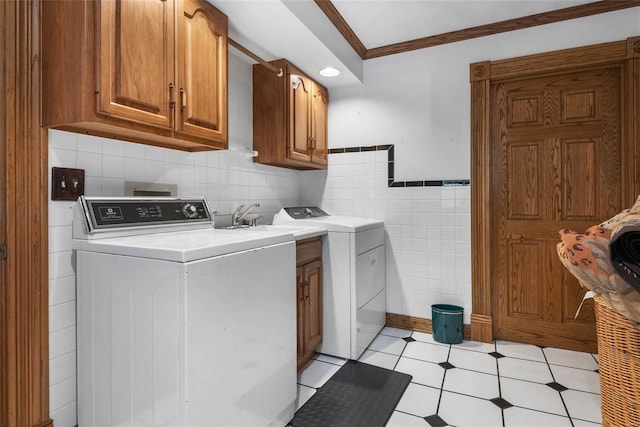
(189, 210)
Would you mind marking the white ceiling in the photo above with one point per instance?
(383, 22)
(299, 31)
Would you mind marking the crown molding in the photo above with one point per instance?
(550, 17)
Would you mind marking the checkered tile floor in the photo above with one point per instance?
(476, 384)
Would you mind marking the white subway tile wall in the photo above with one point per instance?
(428, 229)
(428, 236)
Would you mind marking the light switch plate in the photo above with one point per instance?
(67, 183)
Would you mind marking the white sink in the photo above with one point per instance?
(299, 233)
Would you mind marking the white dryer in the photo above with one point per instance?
(180, 324)
(354, 274)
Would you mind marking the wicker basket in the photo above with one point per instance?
(619, 360)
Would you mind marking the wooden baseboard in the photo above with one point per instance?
(48, 423)
(481, 328)
(418, 324)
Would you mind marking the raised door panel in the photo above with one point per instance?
(135, 49)
(579, 179)
(524, 301)
(202, 72)
(525, 110)
(525, 180)
(299, 116)
(580, 105)
(313, 317)
(320, 109)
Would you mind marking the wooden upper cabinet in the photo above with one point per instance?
(136, 60)
(152, 71)
(300, 88)
(320, 107)
(202, 72)
(289, 118)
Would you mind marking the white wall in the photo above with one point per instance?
(428, 230)
(420, 100)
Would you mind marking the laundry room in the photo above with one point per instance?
(398, 157)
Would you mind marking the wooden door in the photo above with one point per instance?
(298, 147)
(320, 110)
(135, 47)
(556, 163)
(313, 307)
(202, 71)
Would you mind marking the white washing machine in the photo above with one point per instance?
(354, 278)
(180, 324)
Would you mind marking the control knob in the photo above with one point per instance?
(189, 210)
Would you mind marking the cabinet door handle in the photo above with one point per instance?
(172, 99)
(183, 99)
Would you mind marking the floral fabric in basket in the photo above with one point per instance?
(587, 256)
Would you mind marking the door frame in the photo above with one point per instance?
(624, 53)
(24, 330)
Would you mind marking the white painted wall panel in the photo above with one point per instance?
(419, 100)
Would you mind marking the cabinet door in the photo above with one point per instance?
(300, 313)
(202, 71)
(135, 52)
(319, 109)
(300, 88)
(313, 306)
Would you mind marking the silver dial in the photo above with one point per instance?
(189, 210)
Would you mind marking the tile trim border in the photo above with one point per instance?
(389, 148)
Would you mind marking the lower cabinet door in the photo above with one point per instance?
(309, 307)
(300, 312)
(313, 306)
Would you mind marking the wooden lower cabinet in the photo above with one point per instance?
(309, 297)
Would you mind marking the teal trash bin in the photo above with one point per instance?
(446, 321)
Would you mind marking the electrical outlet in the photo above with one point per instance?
(66, 183)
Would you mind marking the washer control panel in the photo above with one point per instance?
(110, 213)
(302, 212)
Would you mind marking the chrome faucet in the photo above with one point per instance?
(238, 214)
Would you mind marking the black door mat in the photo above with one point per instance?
(357, 395)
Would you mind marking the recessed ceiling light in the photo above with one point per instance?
(329, 72)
